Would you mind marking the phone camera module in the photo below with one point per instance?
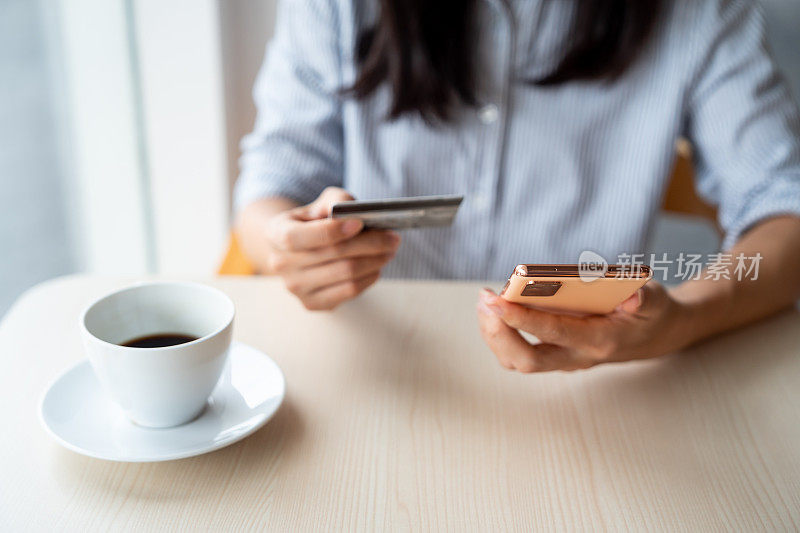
(541, 288)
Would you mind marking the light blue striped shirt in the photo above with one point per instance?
(547, 172)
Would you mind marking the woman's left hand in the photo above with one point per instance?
(648, 324)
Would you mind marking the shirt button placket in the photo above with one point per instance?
(493, 116)
(489, 114)
(483, 198)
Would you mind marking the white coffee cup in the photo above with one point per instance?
(165, 386)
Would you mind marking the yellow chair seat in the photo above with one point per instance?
(236, 262)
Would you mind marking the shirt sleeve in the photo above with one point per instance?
(743, 124)
(295, 149)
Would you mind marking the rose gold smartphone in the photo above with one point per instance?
(573, 289)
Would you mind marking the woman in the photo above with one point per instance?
(557, 119)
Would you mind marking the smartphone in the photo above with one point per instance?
(574, 289)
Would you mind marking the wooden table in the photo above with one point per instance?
(398, 417)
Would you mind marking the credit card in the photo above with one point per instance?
(401, 213)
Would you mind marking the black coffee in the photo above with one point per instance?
(159, 340)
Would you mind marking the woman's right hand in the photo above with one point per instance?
(323, 261)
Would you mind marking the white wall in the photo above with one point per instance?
(147, 100)
(783, 26)
(247, 25)
(35, 228)
(106, 168)
(179, 63)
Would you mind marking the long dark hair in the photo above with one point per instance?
(424, 50)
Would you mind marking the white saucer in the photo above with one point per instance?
(76, 411)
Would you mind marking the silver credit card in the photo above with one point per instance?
(401, 213)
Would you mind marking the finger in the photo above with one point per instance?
(318, 277)
(633, 303)
(561, 358)
(510, 347)
(486, 328)
(368, 243)
(548, 327)
(289, 234)
(331, 296)
(321, 207)
(645, 302)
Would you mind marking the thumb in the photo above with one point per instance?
(321, 207)
(633, 303)
(644, 301)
